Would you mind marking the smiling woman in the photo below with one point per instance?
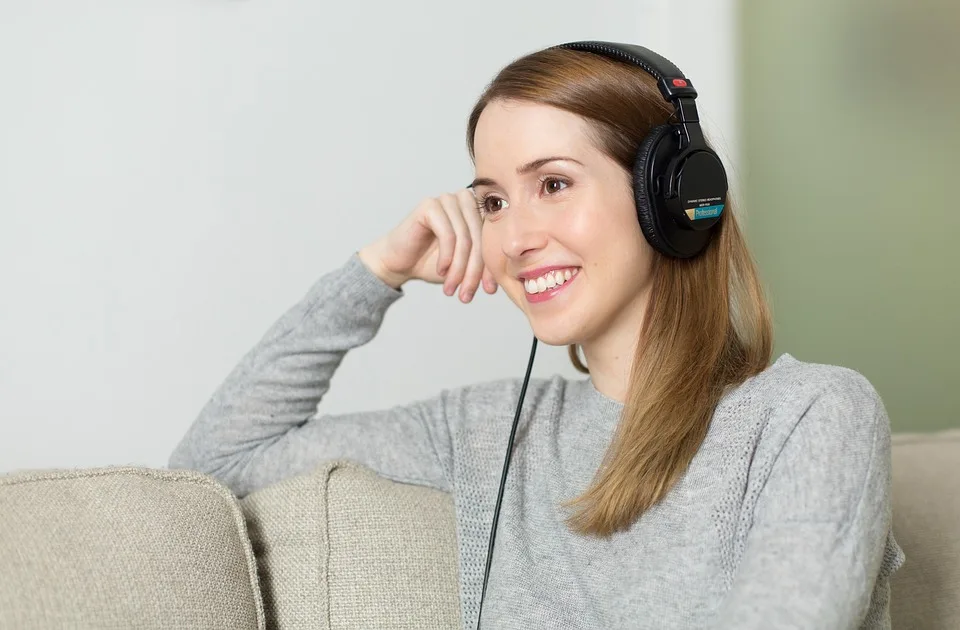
(689, 348)
(689, 480)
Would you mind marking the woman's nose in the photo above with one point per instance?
(523, 232)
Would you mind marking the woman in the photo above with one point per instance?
(688, 482)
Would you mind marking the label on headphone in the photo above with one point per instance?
(706, 212)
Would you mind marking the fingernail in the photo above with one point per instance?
(466, 296)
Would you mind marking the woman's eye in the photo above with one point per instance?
(548, 182)
(489, 205)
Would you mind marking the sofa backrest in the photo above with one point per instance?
(339, 548)
(925, 592)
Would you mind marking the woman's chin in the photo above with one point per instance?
(553, 335)
(554, 327)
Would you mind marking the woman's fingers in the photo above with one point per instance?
(489, 284)
(464, 245)
(475, 269)
(455, 221)
(439, 223)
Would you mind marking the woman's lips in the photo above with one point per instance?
(549, 294)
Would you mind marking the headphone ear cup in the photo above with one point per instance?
(644, 194)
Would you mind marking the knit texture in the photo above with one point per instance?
(782, 519)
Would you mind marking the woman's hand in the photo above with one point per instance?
(438, 242)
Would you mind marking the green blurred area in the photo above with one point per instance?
(851, 153)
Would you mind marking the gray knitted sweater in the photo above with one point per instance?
(782, 520)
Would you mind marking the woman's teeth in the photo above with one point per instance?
(549, 280)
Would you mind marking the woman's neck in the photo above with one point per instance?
(610, 356)
(609, 369)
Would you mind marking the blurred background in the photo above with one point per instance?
(174, 175)
(850, 137)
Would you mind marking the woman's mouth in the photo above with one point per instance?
(549, 284)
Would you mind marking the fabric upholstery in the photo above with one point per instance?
(342, 548)
(393, 554)
(121, 548)
(287, 526)
(925, 592)
(338, 548)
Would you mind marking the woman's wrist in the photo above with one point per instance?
(372, 260)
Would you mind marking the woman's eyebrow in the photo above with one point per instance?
(524, 169)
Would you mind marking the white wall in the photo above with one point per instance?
(174, 175)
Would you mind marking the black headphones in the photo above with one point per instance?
(679, 183)
(680, 188)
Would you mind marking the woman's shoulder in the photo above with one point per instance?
(825, 402)
(810, 443)
(790, 382)
(800, 400)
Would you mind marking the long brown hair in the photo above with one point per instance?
(707, 327)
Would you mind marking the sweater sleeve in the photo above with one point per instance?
(262, 424)
(820, 550)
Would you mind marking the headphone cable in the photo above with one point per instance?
(503, 477)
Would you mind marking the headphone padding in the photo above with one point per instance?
(643, 196)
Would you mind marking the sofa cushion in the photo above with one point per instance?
(925, 592)
(342, 548)
(286, 522)
(124, 547)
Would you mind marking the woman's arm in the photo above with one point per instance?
(820, 549)
(262, 425)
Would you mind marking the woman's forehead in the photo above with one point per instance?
(500, 120)
(512, 134)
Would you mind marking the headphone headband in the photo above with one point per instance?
(674, 86)
(671, 81)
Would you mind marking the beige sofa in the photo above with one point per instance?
(340, 548)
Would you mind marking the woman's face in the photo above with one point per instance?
(560, 236)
